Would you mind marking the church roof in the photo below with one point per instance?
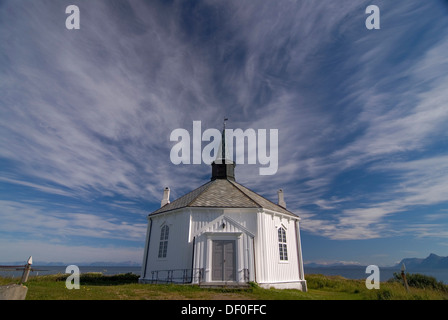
(222, 193)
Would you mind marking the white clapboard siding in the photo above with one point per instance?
(179, 249)
(269, 266)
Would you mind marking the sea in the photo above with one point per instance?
(48, 270)
(349, 272)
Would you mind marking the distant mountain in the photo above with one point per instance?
(113, 264)
(433, 261)
(50, 264)
(332, 265)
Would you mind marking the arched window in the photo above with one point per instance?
(163, 246)
(282, 247)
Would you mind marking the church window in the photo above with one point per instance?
(283, 250)
(163, 246)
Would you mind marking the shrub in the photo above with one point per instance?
(384, 294)
(100, 279)
(417, 280)
(320, 281)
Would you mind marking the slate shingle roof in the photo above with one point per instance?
(222, 193)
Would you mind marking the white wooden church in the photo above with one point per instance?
(223, 233)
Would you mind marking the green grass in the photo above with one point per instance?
(125, 287)
(336, 287)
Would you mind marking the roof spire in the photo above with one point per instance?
(223, 155)
(223, 140)
(223, 167)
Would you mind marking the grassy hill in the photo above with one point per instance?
(320, 287)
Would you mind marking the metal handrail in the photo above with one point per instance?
(177, 275)
(185, 275)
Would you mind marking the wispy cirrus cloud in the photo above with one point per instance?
(44, 251)
(27, 218)
(418, 184)
(87, 115)
(401, 116)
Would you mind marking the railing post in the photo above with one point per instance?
(201, 271)
(184, 276)
(246, 275)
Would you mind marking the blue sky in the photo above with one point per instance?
(86, 117)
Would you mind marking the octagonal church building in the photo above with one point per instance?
(222, 233)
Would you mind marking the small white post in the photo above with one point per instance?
(403, 275)
(26, 270)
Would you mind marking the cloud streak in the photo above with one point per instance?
(87, 115)
(34, 218)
